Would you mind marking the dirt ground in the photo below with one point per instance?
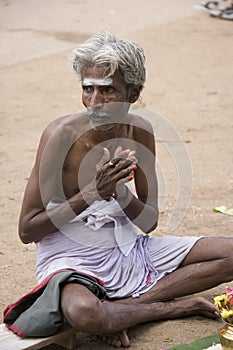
(189, 83)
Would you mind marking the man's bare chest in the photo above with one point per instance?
(80, 164)
(79, 167)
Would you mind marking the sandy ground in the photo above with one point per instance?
(189, 83)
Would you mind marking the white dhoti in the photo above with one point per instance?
(103, 242)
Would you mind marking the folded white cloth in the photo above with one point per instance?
(109, 216)
(102, 212)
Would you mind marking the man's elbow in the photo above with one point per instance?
(150, 225)
(152, 228)
(24, 234)
(147, 226)
(24, 237)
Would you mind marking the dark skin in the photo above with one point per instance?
(76, 149)
(80, 164)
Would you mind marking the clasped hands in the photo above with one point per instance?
(112, 174)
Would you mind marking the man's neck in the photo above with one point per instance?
(101, 134)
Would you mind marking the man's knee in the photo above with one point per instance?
(82, 309)
(228, 263)
(210, 249)
(225, 249)
(80, 313)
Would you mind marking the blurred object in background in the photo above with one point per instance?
(221, 9)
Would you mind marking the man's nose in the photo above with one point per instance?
(97, 99)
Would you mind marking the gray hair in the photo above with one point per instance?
(104, 49)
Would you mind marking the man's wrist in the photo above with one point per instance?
(123, 196)
(90, 194)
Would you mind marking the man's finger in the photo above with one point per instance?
(105, 158)
(117, 152)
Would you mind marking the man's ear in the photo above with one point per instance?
(134, 93)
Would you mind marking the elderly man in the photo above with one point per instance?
(81, 214)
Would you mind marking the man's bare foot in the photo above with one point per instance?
(184, 307)
(201, 306)
(118, 340)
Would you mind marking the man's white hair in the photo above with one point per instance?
(104, 49)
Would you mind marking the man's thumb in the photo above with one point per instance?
(105, 158)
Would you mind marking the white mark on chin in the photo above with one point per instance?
(97, 82)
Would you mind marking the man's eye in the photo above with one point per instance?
(107, 90)
(87, 89)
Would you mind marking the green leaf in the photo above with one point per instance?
(199, 344)
(223, 209)
(168, 340)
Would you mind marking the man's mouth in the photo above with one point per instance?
(100, 120)
(99, 116)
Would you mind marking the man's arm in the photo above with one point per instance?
(46, 179)
(142, 209)
(35, 222)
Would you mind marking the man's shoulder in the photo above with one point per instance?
(140, 123)
(68, 123)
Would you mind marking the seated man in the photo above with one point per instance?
(80, 213)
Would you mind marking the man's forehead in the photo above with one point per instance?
(97, 81)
